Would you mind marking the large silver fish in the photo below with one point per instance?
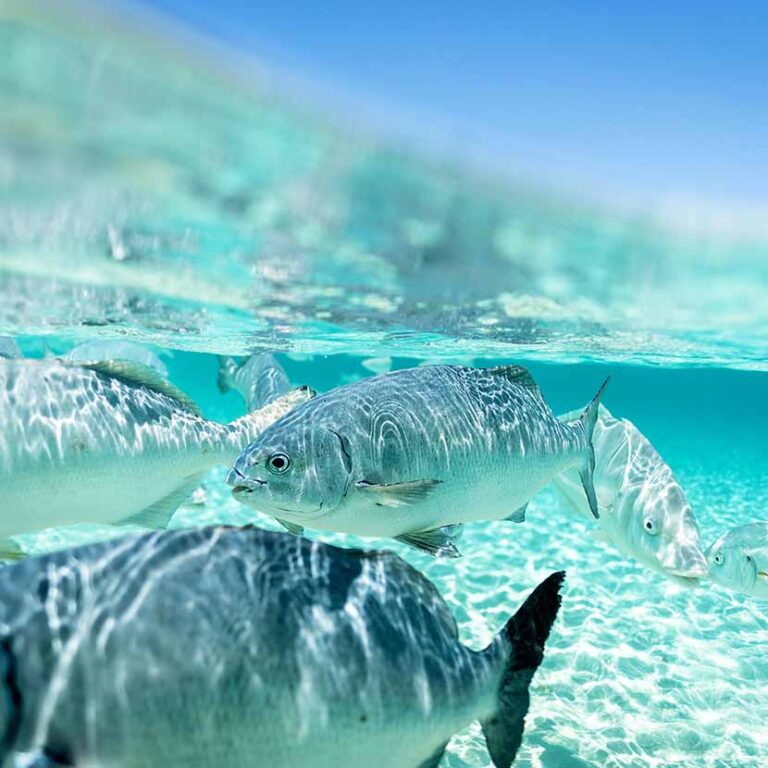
(414, 453)
(739, 560)
(107, 443)
(103, 349)
(643, 510)
(259, 379)
(243, 648)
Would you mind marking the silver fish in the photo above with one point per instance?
(102, 349)
(643, 510)
(739, 560)
(106, 443)
(413, 454)
(248, 649)
(260, 379)
(9, 348)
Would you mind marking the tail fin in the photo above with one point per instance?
(227, 368)
(588, 420)
(246, 429)
(525, 635)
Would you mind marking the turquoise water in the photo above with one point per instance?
(156, 192)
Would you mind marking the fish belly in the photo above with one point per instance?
(491, 491)
(104, 493)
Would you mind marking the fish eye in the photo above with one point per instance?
(718, 558)
(278, 463)
(650, 526)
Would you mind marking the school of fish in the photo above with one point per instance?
(289, 652)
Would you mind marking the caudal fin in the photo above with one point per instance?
(524, 637)
(587, 421)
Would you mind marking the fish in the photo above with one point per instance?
(108, 442)
(259, 379)
(103, 349)
(241, 647)
(413, 454)
(738, 560)
(644, 512)
(9, 349)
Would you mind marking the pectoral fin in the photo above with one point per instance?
(10, 550)
(159, 514)
(439, 542)
(518, 516)
(399, 494)
(296, 530)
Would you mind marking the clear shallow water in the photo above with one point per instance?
(639, 671)
(147, 193)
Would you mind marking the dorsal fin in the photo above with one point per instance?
(138, 374)
(518, 375)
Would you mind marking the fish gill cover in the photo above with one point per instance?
(178, 197)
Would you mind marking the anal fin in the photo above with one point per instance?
(439, 542)
(434, 759)
(159, 514)
(518, 516)
(296, 530)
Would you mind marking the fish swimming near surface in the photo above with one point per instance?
(739, 560)
(9, 349)
(103, 349)
(109, 442)
(259, 379)
(413, 454)
(246, 648)
(643, 510)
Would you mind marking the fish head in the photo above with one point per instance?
(293, 472)
(732, 565)
(662, 531)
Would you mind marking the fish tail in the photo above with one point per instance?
(523, 641)
(227, 368)
(587, 422)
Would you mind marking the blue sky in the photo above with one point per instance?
(650, 100)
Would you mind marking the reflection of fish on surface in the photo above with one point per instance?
(739, 560)
(413, 454)
(102, 349)
(284, 653)
(643, 510)
(110, 442)
(259, 379)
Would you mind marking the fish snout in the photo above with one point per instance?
(686, 561)
(242, 485)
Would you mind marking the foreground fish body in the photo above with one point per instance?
(284, 653)
(739, 560)
(79, 444)
(102, 349)
(409, 454)
(643, 510)
(260, 379)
